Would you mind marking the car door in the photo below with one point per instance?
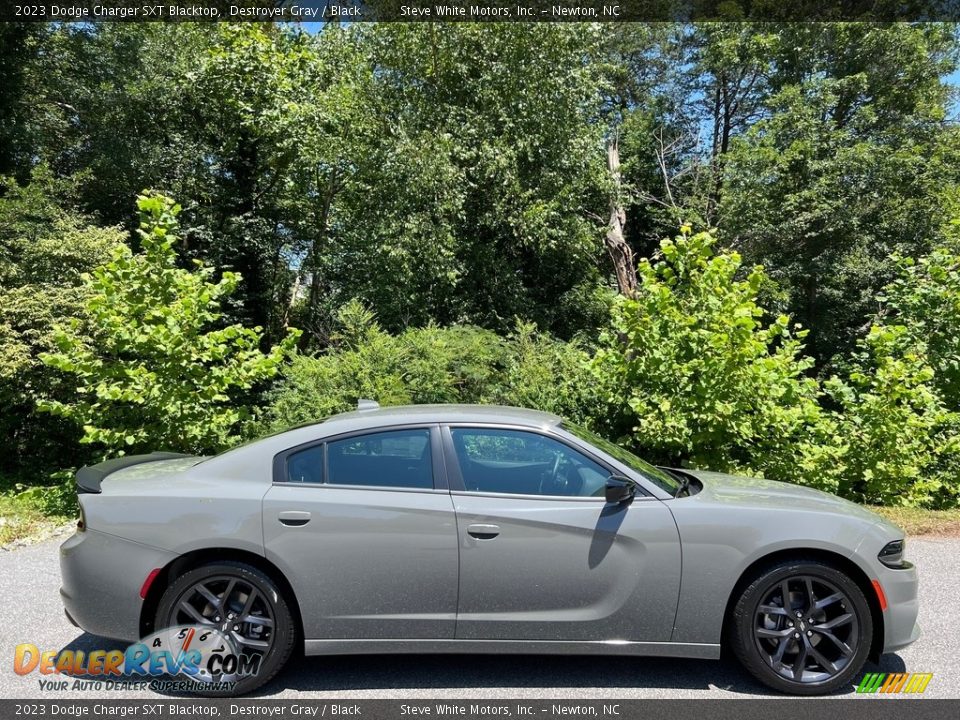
(542, 555)
(363, 527)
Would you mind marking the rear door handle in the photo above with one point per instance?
(294, 518)
(483, 532)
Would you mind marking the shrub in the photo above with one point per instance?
(692, 373)
(459, 364)
(44, 249)
(151, 368)
(925, 299)
(895, 441)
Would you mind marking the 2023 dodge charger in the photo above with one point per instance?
(476, 529)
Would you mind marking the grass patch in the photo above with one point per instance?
(917, 521)
(21, 521)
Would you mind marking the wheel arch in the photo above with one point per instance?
(845, 564)
(194, 559)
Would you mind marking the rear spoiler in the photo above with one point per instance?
(90, 477)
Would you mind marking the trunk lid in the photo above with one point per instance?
(90, 478)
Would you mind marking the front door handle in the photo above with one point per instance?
(294, 518)
(483, 532)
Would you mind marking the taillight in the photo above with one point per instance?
(82, 522)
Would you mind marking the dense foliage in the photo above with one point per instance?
(695, 371)
(462, 363)
(148, 366)
(477, 213)
(45, 247)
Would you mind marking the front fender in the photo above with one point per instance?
(719, 544)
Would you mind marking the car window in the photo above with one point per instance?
(306, 466)
(396, 458)
(662, 479)
(527, 463)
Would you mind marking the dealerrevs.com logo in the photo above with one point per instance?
(198, 655)
(894, 682)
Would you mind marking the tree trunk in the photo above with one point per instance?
(313, 262)
(616, 242)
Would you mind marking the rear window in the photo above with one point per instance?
(395, 458)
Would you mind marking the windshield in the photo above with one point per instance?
(657, 476)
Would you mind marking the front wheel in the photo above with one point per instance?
(246, 607)
(802, 627)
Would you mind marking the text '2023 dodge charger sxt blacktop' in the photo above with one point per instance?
(475, 529)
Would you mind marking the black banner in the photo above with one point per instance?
(873, 708)
(477, 10)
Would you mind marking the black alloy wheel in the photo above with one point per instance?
(233, 606)
(802, 627)
(244, 605)
(804, 630)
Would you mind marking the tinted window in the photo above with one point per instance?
(664, 480)
(306, 466)
(527, 463)
(397, 458)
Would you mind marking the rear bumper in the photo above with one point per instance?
(102, 576)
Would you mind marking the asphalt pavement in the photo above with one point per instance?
(31, 612)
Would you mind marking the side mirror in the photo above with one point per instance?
(620, 489)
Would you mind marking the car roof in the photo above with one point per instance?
(403, 414)
(237, 461)
(256, 460)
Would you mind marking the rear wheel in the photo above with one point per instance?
(245, 606)
(802, 627)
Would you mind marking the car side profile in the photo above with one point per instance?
(483, 529)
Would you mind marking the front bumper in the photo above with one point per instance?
(900, 627)
(102, 576)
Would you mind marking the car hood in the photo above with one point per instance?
(759, 492)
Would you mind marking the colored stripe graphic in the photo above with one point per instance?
(894, 683)
(871, 682)
(920, 682)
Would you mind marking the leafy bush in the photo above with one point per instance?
(925, 300)
(151, 368)
(463, 364)
(898, 444)
(693, 374)
(56, 500)
(44, 249)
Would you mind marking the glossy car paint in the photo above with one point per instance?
(399, 570)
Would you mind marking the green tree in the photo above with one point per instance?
(44, 249)
(18, 48)
(150, 371)
(925, 299)
(852, 159)
(692, 372)
(286, 118)
(896, 403)
(498, 128)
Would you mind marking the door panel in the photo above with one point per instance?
(542, 556)
(373, 556)
(368, 563)
(561, 569)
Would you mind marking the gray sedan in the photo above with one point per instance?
(477, 529)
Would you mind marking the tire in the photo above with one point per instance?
(772, 642)
(239, 581)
